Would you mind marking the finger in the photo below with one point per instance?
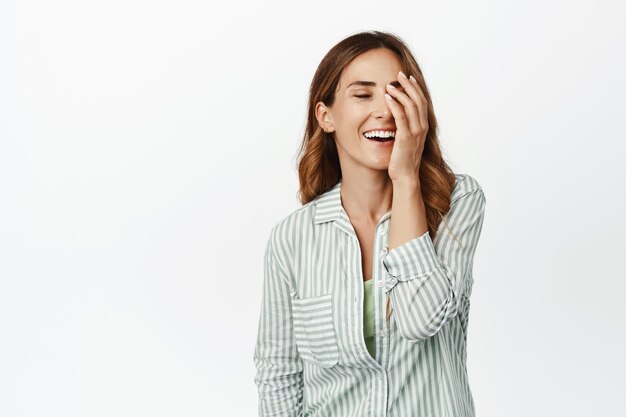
(423, 104)
(399, 117)
(410, 106)
(413, 90)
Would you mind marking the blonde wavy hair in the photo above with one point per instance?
(318, 161)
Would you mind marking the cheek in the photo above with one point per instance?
(349, 140)
(351, 119)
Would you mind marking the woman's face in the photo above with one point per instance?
(359, 108)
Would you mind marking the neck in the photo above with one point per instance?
(366, 199)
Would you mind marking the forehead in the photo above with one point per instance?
(373, 63)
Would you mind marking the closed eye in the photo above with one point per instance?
(362, 96)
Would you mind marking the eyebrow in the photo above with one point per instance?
(372, 84)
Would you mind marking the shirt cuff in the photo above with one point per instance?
(413, 259)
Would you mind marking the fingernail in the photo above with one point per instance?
(391, 86)
(413, 79)
(387, 96)
(402, 74)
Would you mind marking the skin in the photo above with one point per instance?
(378, 177)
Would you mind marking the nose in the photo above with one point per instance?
(382, 110)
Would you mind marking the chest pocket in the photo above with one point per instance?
(314, 330)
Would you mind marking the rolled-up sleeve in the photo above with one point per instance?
(278, 364)
(425, 284)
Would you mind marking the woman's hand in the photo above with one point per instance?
(411, 119)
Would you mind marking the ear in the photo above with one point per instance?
(324, 117)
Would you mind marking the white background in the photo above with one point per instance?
(147, 147)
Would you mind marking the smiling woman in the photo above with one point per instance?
(326, 343)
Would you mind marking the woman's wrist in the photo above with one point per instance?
(407, 182)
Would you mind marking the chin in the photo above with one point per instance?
(380, 166)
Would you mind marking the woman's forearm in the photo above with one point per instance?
(408, 212)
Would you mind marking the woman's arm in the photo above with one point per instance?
(409, 213)
(278, 364)
(425, 286)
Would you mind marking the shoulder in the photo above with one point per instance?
(285, 230)
(466, 185)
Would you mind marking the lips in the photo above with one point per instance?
(379, 139)
(375, 139)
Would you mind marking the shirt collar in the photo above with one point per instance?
(328, 206)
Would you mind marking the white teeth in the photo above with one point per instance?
(380, 134)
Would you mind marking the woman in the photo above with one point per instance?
(365, 313)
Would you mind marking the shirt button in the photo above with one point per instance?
(380, 283)
(381, 231)
(381, 333)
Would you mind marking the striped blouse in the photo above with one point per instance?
(311, 357)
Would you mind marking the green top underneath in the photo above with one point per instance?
(368, 318)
